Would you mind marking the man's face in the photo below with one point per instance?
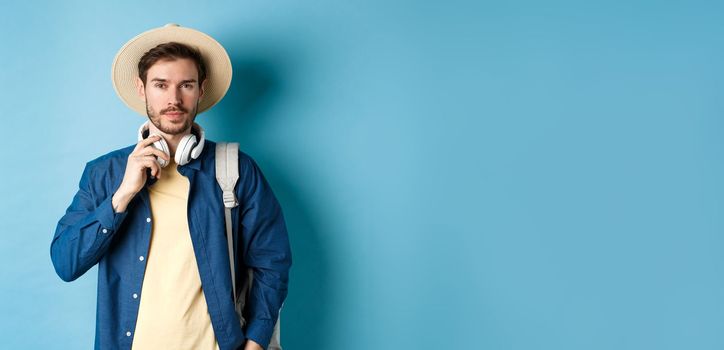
(172, 93)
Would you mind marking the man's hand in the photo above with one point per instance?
(252, 345)
(142, 157)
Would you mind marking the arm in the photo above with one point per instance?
(84, 233)
(266, 250)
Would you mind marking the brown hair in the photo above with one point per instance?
(171, 51)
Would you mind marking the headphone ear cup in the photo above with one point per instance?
(183, 151)
(163, 147)
(160, 145)
(196, 152)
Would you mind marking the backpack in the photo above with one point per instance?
(227, 174)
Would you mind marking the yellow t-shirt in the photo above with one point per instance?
(173, 312)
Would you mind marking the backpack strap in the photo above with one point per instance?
(227, 174)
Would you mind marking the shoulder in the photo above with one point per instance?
(245, 160)
(111, 160)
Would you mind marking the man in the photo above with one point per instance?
(152, 216)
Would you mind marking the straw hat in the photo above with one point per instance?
(125, 65)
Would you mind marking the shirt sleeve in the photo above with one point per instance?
(84, 232)
(266, 250)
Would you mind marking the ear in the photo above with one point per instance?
(140, 89)
(202, 89)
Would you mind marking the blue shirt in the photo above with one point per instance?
(91, 232)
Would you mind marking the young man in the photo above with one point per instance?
(152, 215)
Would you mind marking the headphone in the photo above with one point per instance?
(188, 148)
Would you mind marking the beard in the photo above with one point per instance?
(168, 127)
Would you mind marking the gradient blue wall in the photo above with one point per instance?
(455, 175)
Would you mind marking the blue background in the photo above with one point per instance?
(456, 175)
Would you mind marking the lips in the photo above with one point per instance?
(174, 116)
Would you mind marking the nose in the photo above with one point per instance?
(174, 97)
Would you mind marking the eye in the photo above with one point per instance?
(187, 85)
(160, 85)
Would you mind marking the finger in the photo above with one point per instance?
(144, 159)
(154, 151)
(156, 170)
(153, 165)
(147, 141)
(149, 155)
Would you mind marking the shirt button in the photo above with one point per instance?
(135, 296)
(128, 334)
(140, 258)
(105, 231)
(148, 219)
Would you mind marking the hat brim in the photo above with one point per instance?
(125, 65)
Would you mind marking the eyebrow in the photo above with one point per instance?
(181, 82)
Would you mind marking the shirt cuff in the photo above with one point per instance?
(260, 331)
(109, 219)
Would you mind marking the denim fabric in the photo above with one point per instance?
(91, 232)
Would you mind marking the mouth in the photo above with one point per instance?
(174, 116)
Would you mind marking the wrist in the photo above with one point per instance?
(124, 191)
(252, 345)
(121, 199)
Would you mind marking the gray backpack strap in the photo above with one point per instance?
(227, 174)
